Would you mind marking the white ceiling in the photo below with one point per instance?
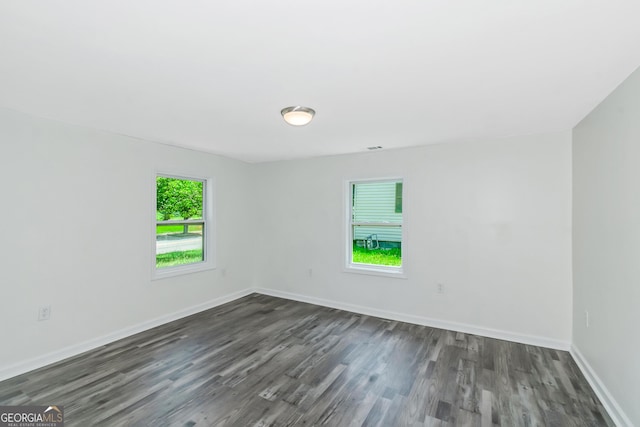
(213, 75)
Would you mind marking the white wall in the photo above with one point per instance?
(76, 207)
(606, 244)
(491, 220)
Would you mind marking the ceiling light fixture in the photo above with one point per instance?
(297, 116)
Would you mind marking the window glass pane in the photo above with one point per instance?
(179, 244)
(178, 198)
(376, 245)
(375, 202)
(376, 220)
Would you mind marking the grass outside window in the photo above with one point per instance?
(178, 258)
(390, 257)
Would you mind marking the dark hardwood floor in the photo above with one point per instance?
(262, 361)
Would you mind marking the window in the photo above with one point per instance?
(184, 219)
(375, 226)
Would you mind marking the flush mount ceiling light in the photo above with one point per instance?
(297, 116)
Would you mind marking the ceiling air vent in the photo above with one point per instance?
(377, 147)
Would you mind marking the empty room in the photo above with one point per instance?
(343, 213)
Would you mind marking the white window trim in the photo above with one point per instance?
(209, 262)
(374, 270)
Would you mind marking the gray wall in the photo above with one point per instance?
(606, 243)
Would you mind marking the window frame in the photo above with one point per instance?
(371, 269)
(208, 221)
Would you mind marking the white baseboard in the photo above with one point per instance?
(615, 411)
(74, 350)
(610, 404)
(426, 321)
(58, 355)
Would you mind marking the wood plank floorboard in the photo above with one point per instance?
(265, 361)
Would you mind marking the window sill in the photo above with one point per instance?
(181, 270)
(372, 270)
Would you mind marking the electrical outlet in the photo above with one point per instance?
(223, 272)
(440, 288)
(44, 312)
(586, 318)
(310, 272)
